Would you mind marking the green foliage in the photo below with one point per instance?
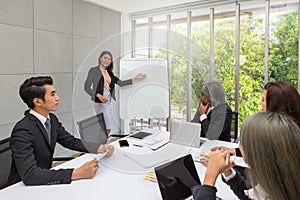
(284, 48)
(283, 57)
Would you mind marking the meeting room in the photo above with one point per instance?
(151, 100)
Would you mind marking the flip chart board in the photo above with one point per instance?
(147, 98)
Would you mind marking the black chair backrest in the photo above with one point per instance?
(93, 131)
(5, 161)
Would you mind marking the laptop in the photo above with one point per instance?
(185, 133)
(176, 178)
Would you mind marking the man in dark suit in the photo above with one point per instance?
(33, 139)
(214, 114)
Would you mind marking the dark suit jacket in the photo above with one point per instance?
(217, 125)
(32, 154)
(237, 184)
(94, 83)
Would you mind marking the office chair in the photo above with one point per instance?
(5, 160)
(92, 131)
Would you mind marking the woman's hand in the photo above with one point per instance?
(139, 77)
(218, 162)
(102, 98)
(230, 150)
(204, 159)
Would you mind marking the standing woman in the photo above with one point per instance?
(100, 85)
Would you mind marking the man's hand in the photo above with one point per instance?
(86, 171)
(106, 148)
(203, 108)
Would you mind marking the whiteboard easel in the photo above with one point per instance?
(147, 98)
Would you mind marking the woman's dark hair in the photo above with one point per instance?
(283, 97)
(111, 66)
(33, 88)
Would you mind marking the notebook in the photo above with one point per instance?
(185, 133)
(176, 178)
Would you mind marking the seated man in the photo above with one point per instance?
(213, 113)
(33, 139)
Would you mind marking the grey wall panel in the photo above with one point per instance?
(86, 19)
(57, 38)
(11, 105)
(17, 12)
(110, 23)
(16, 49)
(54, 15)
(82, 53)
(5, 130)
(80, 99)
(52, 52)
(67, 121)
(63, 85)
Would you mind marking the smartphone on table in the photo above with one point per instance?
(123, 143)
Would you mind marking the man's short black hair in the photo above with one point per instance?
(33, 88)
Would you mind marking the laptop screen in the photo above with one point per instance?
(185, 133)
(176, 178)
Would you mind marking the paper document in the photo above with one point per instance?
(102, 155)
(157, 140)
(148, 160)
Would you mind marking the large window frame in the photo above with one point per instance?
(189, 9)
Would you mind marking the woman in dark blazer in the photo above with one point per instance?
(100, 85)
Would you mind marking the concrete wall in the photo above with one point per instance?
(58, 38)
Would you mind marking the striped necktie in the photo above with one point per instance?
(48, 129)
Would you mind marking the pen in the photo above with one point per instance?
(203, 161)
(137, 145)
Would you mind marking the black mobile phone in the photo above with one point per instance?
(123, 143)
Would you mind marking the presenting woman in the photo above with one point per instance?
(100, 85)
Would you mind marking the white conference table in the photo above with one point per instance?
(118, 177)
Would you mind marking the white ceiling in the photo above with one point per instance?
(129, 6)
(132, 6)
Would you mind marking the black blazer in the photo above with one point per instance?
(217, 125)
(94, 83)
(32, 154)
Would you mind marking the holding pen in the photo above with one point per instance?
(137, 145)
